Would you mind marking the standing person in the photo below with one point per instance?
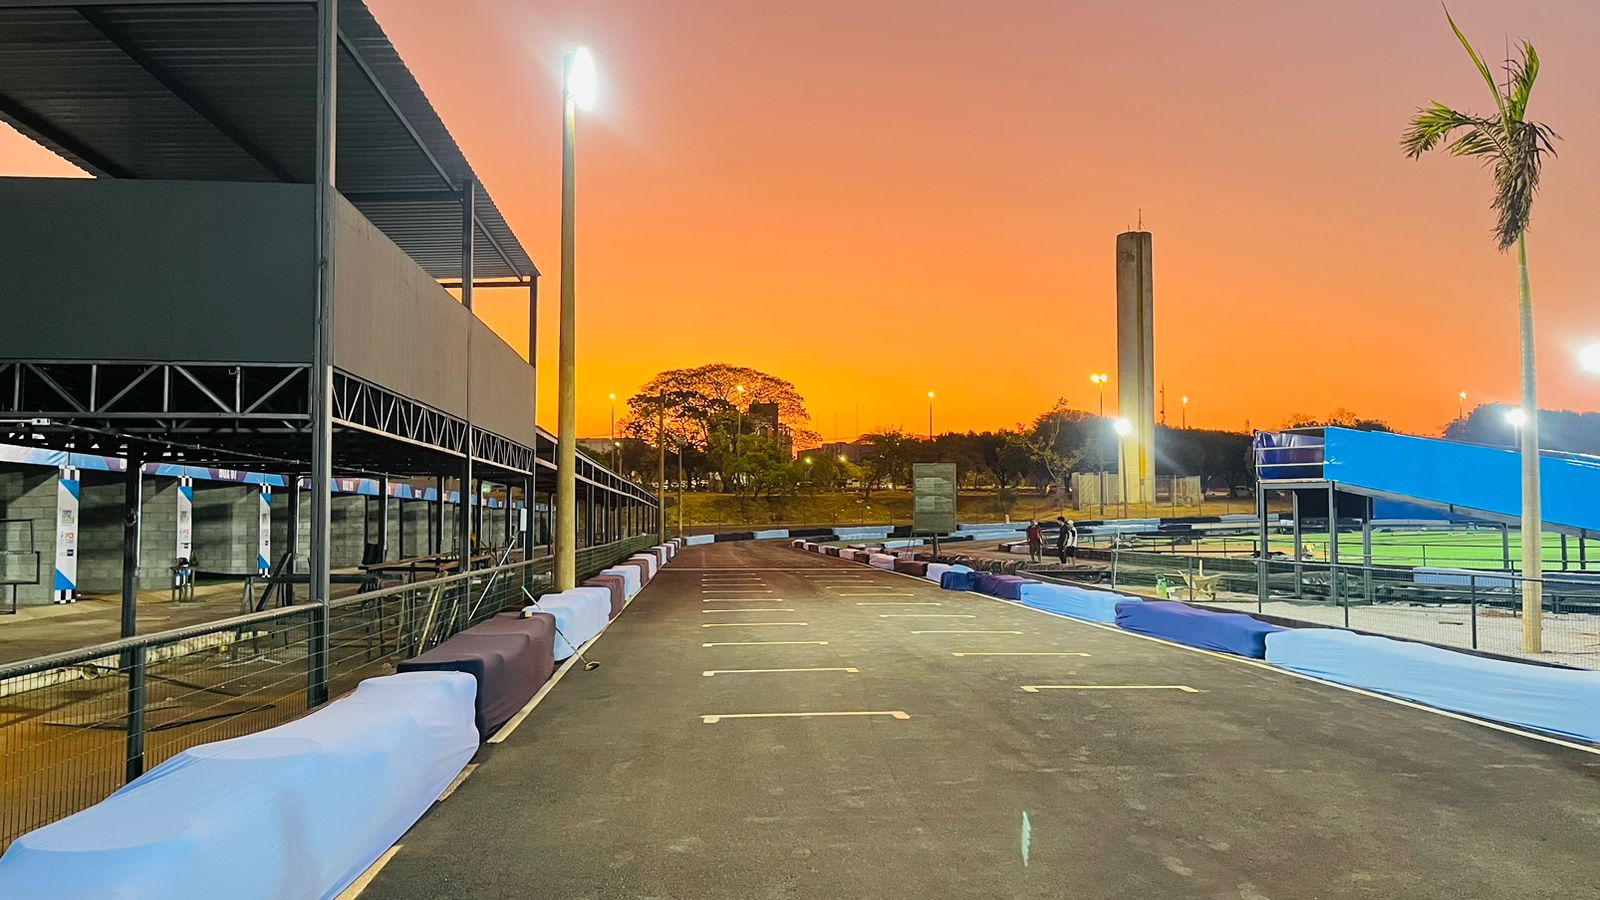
(1035, 540)
(1066, 537)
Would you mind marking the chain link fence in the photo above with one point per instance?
(76, 726)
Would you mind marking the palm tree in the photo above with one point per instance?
(1513, 149)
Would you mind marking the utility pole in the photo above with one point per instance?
(661, 470)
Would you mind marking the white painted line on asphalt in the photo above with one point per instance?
(744, 600)
(892, 713)
(740, 609)
(1036, 688)
(510, 726)
(710, 672)
(880, 594)
(753, 624)
(361, 883)
(734, 591)
(966, 632)
(758, 643)
(898, 603)
(1019, 653)
(925, 616)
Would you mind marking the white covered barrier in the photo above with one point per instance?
(581, 613)
(695, 540)
(881, 561)
(300, 810)
(652, 565)
(631, 582)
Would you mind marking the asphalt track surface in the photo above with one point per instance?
(1255, 785)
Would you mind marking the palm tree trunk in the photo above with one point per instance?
(1532, 515)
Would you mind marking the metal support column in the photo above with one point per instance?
(1583, 550)
(437, 538)
(292, 535)
(132, 500)
(661, 468)
(383, 518)
(1299, 567)
(1563, 551)
(528, 520)
(464, 514)
(322, 350)
(469, 214)
(1261, 547)
(1366, 549)
(1334, 593)
(566, 362)
(1505, 546)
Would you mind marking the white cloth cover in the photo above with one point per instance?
(652, 564)
(581, 613)
(881, 561)
(935, 570)
(296, 811)
(630, 579)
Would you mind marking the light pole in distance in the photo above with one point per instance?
(1123, 428)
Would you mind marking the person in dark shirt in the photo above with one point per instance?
(1066, 539)
(1035, 536)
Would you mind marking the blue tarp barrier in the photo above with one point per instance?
(297, 811)
(1558, 701)
(1077, 602)
(772, 534)
(958, 578)
(695, 540)
(1227, 632)
(581, 613)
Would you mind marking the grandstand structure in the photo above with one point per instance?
(257, 276)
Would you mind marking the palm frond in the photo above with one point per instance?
(1488, 77)
(1522, 73)
(1432, 125)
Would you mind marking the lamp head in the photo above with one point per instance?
(1516, 417)
(581, 81)
(1589, 358)
(1123, 427)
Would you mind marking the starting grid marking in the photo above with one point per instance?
(891, 713)
(710, 672)
(966, 632)
(740, 609)
(752, 624)
(744, 600)
(1019, 653)
(1036, 688)
(926, 616)
(758, 643)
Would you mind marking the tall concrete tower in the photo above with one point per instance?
(1136, 364)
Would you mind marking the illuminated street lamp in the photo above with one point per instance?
(1461, 410)
(1589, 358)
(1100, 379)
(578, 87)
(930, 417)
(1123, 428)
(1185, 414)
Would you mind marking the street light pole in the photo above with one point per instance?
(1123, 428)
(661, 470)
(577, 89)
(930, 417)
(1461, 407)
(1185, 413)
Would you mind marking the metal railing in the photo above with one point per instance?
(1473, 609)
(77, 725)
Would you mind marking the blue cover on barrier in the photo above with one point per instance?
(297, 811)
(1077, 602)
(1227, 632)
(1558, 701)
(581, 613)
(959, 578)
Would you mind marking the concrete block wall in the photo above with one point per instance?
(29, 493)
(348, 515)
(417, 534)
(225, 523)
(100, 532)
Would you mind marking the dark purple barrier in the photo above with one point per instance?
(642, 566)
(618, 587)
(1007, 587)
(911, 567)
(509, 656)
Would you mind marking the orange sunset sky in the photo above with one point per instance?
(876, 199)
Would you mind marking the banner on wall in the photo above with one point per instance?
(68, 490)
(264, 532)
(184, 548)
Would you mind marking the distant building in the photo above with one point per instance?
(851, 451)
(762, 419)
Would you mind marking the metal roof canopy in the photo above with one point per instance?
(225, 90)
